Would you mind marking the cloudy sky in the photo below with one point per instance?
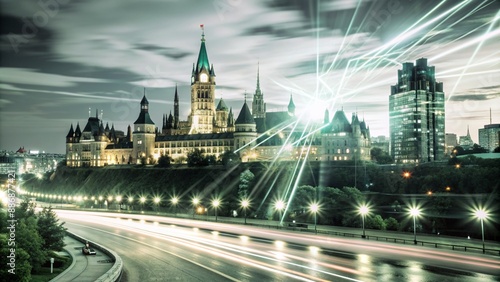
(61, 59)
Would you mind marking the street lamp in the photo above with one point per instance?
(196, 201)
(245, 203)
(414, 212)
(174, 201)
(142, 200)
(482, 215)
(215, 204)
(100, 200)
(279, 205)
(363, 210)
(157, 200)
(130, 201)
(314, 209)
(118, 201)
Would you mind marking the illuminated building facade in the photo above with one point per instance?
(254, 136)
(489, 136)
(417, 115)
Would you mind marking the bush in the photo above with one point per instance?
(391, 224)
(375, 222)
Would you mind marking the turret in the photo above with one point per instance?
(70, 135)
(245, 133)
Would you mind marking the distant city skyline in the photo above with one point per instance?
(58, 61)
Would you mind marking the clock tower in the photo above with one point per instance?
(201, 118)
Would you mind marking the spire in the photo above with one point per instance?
(96, 113)
(291, 106)
(468, 133)
(129, 134)
(202, 62)
(176, 109)
(230, 118)
(257, 91)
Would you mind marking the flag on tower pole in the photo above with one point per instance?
(202, 27)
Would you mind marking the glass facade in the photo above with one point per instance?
(416, 115)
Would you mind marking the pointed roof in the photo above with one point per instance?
(291, 105)
(144, 117)
(355, 120)
(340, 122)
(245, 116)
(101, 129)
(221, 106)
(203, 62)
(71, 132)
(144, 100)
(78, 131)
(176, 96)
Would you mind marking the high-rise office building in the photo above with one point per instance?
(489, 136)
(417, 115)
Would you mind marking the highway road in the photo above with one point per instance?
(172, 249)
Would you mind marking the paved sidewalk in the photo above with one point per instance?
(83, 268)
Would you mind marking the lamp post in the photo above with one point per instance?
(314, 209)
(245, 203)
(414, 212)
(142, 200)
(215, 204)
(481, 214)
(118, 201)
(157, 200)
(175, 200)
(279, 205)
(100, 200)
(130, 201)
(363, 210)
(196, 201)
(108, 203)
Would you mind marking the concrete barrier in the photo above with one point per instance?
(115, 273)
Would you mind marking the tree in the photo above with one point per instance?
(458, 150)
(196, 158)
(229, 159)
(28, 238)
(380, 156)
(164, 161)
(211, 159)
(51, 231)
(25, 209)
(22, 269)
(246, 178)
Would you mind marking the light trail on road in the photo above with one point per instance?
(242, 253)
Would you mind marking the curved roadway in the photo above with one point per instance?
(172, 249)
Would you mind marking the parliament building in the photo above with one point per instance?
(211, 127)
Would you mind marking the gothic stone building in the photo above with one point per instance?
(255, 135)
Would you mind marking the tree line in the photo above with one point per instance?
(32, 240)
